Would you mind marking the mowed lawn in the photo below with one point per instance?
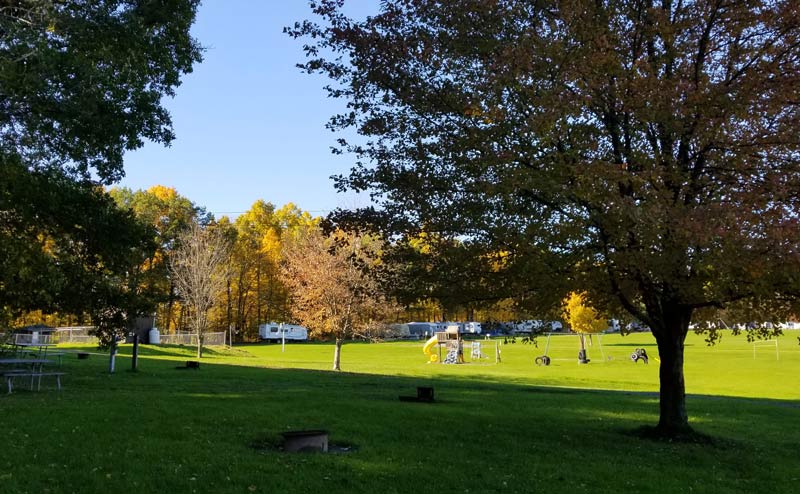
(508, 427)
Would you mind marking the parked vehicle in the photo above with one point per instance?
(472, 327)
(637, 327)
(536, 326)
(431, 328)
(423, 328)
(278, 331)
(397, 331)
(613, 326)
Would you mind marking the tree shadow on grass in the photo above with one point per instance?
(470, 397)
(182, 351)
(530, 437)
(639, 345)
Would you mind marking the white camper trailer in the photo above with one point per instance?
(537, 326)
(424, 329)
(472, 327)
(278, 331)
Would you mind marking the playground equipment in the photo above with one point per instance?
(452, 343)
(639, 354)
(477, 354)
(427, 349)
(449, 339)
(545, 359)
(455, 352)
(766, 343)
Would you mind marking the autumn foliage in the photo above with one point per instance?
(582, 317)
(646, 152)
(334, 290)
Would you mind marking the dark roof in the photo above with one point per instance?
(37, 328)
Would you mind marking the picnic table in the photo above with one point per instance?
(33, 347)
(27, 367)
(38, 351)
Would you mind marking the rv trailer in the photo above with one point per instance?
(472, 327)
(279, 331)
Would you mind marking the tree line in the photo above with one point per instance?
(276, 265)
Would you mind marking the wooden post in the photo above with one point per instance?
(135, 356)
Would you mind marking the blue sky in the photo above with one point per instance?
(249, 124)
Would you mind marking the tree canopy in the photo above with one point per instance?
(333, 285)
(169, 215)
(581, 316)
(82, 82)
(256, 293)
(647, 152)
(65, 247)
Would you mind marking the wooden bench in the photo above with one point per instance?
(10, 375)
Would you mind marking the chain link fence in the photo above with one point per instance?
(81, 335)
(75, 334)
(186, 338)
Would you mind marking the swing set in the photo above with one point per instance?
(545, 359)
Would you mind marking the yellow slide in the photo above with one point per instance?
(427, 349)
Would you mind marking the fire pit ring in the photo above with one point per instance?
(305, 441)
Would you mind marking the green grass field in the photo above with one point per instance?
(508, 427)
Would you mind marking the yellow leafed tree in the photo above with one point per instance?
(583, 319)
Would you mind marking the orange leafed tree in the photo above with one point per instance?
(333, 290)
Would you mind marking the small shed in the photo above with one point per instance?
(140, 326)
(35, 333)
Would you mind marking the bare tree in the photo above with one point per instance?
(332, 289)
(199, 270)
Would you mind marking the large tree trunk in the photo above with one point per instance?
(673, 419)
(337, 353)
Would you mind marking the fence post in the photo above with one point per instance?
(135, 356)
(112, 358)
